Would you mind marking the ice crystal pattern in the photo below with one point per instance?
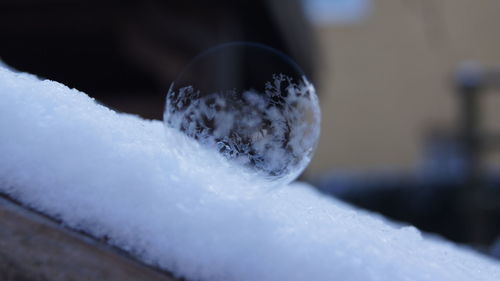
(273, 133)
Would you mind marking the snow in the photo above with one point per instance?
(160, 196)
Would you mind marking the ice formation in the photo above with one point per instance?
(272, 133)
(169, 202)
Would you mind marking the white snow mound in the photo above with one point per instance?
(172, 204)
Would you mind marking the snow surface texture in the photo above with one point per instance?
(169, 202)
(273, 134)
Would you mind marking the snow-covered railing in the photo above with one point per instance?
(169, 203)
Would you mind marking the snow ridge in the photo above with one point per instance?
(165, 199)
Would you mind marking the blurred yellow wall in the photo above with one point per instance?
(385, 80)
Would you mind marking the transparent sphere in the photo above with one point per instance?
(250, 103)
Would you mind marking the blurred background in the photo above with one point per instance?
(409, 89)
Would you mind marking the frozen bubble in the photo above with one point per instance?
(250, 103)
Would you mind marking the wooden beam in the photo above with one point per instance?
(36, 248)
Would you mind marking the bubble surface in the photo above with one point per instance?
(250, 103)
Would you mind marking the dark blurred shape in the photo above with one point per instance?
(126, 53)
(453, 194)
(480, 201)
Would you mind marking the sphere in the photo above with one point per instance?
(250, 103)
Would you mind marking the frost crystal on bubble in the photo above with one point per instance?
(273, 133)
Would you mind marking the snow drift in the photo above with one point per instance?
(161, 197)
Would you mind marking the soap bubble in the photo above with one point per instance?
(250, 103)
